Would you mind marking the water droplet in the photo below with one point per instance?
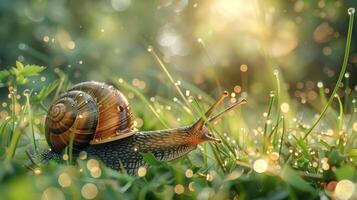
(347, 75)
(27, 92)
(272, 94)
(149, 49)
(351, 11)
(276, 72)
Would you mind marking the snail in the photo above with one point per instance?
(96, 118)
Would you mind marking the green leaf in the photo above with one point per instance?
(346, 172)
(335, 157)
(352, 153)
(3, 74)
(304, 148)
(22, 72)
(325, 144)
(292, 178)
(21, 79)
(31, 70)
(19, 65)
(44, 92)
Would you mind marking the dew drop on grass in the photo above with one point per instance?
(149, 49)
(351, 11)
(347, 75)
(27, 92)
(285, 107)
(276, 72)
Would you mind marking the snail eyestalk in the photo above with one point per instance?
(199, 124)
(217, 117)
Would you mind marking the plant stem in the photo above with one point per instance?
(14, 141)
(13, 113)
(30, 121)
(340, 77)
(282, 137)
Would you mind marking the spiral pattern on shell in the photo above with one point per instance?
(88, 113)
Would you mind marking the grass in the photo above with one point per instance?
(287, 158)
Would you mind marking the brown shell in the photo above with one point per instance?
(91, 113)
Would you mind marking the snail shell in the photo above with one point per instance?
(90, 113)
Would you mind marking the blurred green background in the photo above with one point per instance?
(202, 42)
(236, 45)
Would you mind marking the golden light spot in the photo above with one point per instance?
(274, 156)
(189, 173)
(285, 107)
(37, 171)
(323, 33)
(179, 189)
(92, 163)
(344, 189)
(46, 38)
(65, 157)
(315, 164)
(83, 155)
(325, 166)
(327, 51)
(52, 193)
(244, 68)
(139, 122)
(237, 89)
(299, 85)
(142, 171)
(191, 187)
(209, 177)
(260, 166)
(64, 180)
(71, 45)
(299, 6)
(89, 191)
(354, 126)
(311, 95)
(95, 172)
(43, 78)
(4, 114)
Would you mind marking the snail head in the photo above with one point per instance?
(200, 129)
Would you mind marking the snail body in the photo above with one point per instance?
(96, 118)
